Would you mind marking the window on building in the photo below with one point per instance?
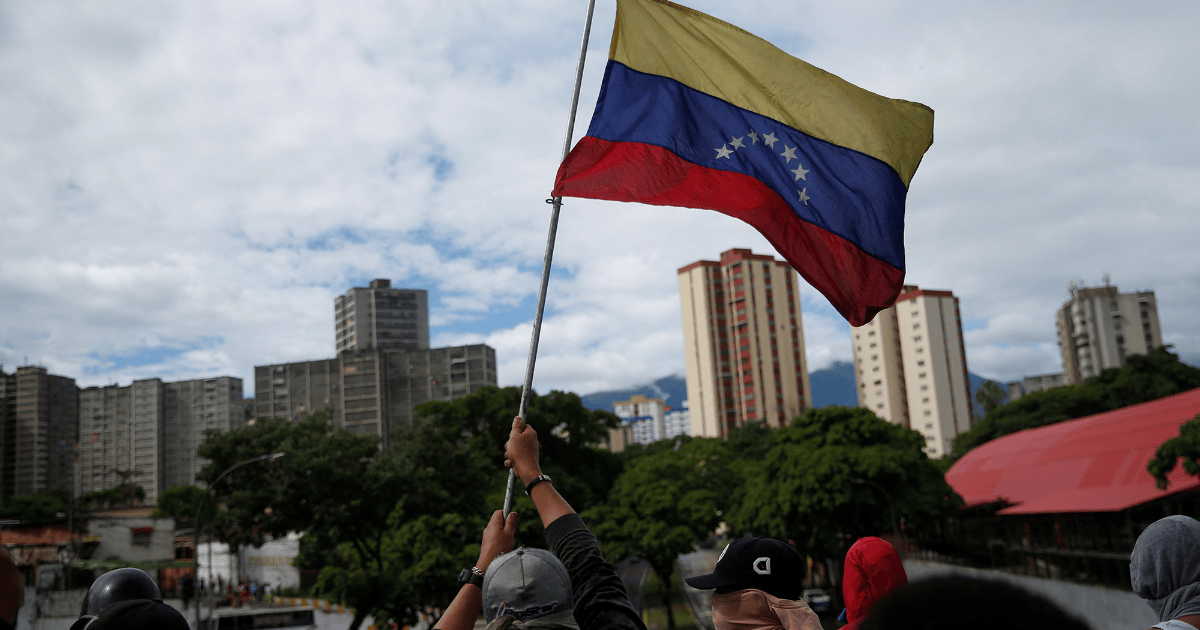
(921, 362)
(916, 325)
(140, 536)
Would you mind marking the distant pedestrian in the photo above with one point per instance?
(1164, 570)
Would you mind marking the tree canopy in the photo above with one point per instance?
(1143, 378)
(664, 502)
(836, 472)
(37, 507)
(389, 529)
(181, 503)
(1186, 445)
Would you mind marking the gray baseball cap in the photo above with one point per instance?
(526, 584)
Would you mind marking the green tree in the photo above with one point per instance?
(1143, 378)
(751, 441)
(568, 432)
(663, 503)
(990, 395)
(805, 490)
(37, 507)
(346, 495)
(390, 529)
(181, 503)
(119, 496)
(1186, 445)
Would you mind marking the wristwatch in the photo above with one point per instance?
(472, 575)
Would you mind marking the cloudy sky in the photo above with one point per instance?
(186, 186)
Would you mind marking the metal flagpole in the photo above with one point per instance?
(556, 205)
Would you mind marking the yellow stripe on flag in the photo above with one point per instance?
(722, 60)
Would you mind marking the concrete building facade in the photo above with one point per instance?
(147, 432)
(743, 341)
(644, 416)
(911, 367)
(40, 414)
(372, 392)
(378, 317)
(1032, 384)
(1099, 326)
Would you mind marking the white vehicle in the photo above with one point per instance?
(818, 600)
(245, 618)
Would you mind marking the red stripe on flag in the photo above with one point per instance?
(856, 283)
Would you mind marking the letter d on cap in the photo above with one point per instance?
(762, 566)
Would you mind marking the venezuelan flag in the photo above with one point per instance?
(696, 112)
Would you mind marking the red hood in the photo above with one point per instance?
(873, 569)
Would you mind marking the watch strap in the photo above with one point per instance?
(535, 481)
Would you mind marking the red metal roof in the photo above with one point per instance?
(1093, 464)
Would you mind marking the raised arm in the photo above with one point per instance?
(600, 599)
(497, 540)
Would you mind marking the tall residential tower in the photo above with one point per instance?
(744, 342)
(911, 367)
(1099, 326)
(379, 317)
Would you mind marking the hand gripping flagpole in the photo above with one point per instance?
(556, 205)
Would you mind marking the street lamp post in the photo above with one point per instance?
(886, 497)
(196, 524)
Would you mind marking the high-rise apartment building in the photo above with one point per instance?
(39, 412)
(372, 392)
(1099, 326)
(147, 433)
(379, 317)
(911, 367)
(644, 416)
(744, 342)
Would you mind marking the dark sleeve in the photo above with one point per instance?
(600, 598)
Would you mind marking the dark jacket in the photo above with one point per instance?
(600, 598)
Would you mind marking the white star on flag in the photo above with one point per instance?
(789, 153)
(770, 139)
(800, 172)
(803, 196)
(723, 152)
(737, 143)
(753, 137)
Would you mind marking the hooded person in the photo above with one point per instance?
(872, 570)
(757, 586)
(1164, 570)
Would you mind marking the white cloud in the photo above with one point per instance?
(187, 187)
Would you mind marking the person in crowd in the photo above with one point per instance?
(12, 591)
(591, 589)
(955, 602)
(127, 599)
(872, 570)
(1164, 570)
(757, 585)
